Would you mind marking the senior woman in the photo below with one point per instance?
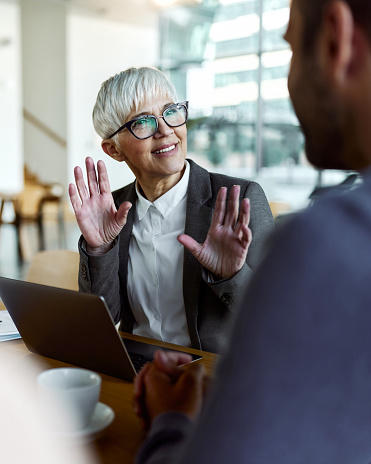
(169, 253)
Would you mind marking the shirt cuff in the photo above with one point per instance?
(168, 434)
(170, 421)
(82, 243)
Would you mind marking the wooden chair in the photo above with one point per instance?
(31, 207)
(279, 207)
(52, 208)
(58, 268)
(27, 209)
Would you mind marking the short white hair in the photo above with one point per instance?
(127, 91)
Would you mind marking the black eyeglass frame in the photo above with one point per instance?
(129, 123)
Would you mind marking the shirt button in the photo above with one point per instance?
(157, 317)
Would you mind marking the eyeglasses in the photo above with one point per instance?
(146, 126)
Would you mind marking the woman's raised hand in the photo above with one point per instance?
(96, 214)
(225, 249)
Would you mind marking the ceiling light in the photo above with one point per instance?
(167, 3)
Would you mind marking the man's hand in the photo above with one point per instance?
(95, 211)
(167, 385)
(225, 249)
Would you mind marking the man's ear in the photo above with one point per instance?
(110, 148)
(336, 41)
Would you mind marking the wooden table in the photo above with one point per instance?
(121, 440)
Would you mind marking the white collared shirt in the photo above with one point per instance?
(155, 267)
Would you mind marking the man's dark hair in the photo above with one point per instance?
(314, 9)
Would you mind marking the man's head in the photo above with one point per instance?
(314, 9)
(330, 79)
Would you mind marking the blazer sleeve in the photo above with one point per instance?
(166, 437)
(229, 291)
(99, 275)
(261, 222)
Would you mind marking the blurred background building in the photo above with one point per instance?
(227, 57)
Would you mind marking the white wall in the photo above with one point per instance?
(96, 49)
(11, 128)
(52, 64)
(44, 87)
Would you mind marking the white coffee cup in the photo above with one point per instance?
(68, 397)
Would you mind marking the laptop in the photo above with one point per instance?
(73, 327)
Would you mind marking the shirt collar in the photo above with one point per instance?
(168, 201)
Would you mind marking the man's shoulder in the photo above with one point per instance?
(344, 206)
(319, 250)
(333, 220)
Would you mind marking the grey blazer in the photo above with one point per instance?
(207, 305)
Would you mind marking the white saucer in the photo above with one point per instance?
(102, 417)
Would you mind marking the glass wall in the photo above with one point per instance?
(229, 59)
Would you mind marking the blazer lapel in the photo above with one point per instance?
(126, 194)
(198, 220)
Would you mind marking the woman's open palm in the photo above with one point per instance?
(96, 214)
(225, 249)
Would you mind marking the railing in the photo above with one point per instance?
(44, 128)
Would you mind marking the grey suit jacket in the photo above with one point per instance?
(207, 305)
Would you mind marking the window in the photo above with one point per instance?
(229, 59)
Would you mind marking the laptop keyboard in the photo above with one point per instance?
(139, 360)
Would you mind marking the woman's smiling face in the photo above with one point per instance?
(160, 157)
